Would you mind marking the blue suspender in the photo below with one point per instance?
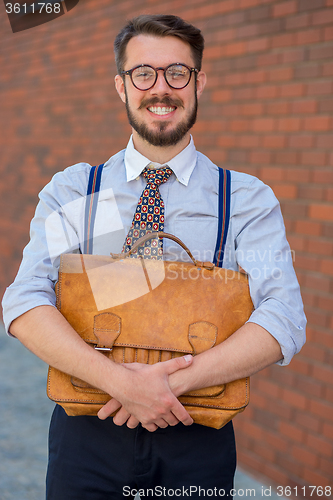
(91, 207)
(224, 215)
(224, 211)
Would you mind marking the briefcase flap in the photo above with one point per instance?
(151, 304)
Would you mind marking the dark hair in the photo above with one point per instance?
(159, 25)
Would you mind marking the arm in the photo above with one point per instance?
(246, 352)
(145, 395)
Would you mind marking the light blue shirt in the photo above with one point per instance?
(256, 238)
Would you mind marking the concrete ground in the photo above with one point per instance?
(24, 416)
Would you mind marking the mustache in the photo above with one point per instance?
(167, 101)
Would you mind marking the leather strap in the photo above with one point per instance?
(161, 234)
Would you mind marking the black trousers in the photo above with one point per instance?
(90, 459)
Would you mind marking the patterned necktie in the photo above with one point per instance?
(149, 215)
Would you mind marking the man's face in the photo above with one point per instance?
(162, 116)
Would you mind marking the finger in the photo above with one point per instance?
(172, 365)
(132, 422)
(121, 417)
(109, 408)
(150, 427)
(171, 419)
(181, 414)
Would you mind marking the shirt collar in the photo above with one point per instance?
(182, 164)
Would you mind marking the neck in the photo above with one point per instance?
(159, 154)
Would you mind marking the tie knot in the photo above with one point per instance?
(157, 175)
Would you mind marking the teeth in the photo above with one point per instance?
(161, 111)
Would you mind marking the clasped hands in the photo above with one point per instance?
(144, 395)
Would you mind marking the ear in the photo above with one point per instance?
(120, 87)
(201, 82)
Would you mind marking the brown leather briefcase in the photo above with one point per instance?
(146, 311)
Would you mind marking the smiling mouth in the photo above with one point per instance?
(161, 111)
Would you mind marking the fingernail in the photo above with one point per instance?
(188, 358)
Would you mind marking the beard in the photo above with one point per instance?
(163, 137)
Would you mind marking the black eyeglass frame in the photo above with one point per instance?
(130, 72)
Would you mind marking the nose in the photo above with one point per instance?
(161, 86)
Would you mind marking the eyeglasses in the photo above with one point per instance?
(176, 75)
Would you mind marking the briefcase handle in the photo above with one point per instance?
(161, 234)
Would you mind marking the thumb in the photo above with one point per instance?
(172, 365)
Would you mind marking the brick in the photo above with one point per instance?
(321, 212)
(323, 373)
(328, 430)
(294, 55)
(274, 141)
(319, 88)
(284, 40)
(306, 71)
(309, 36)
(221, 95)
(310, 192)
(272, 173)
(234, 49)
(281, 74)
(302, 455)
(307, 422)
(292, 90)
(258, 45)
(324, 16)
(289, 124)
(315, 158)
(309, 228)
(298, 21)
(263, 124)
(249, 141)
(286, 157)
(322, 409)
(266, 92)
(285, 191)
(278, 108)
(285, 8)
(314, 477)
(318, 123)
(320, 51)
(294, 399)
(260, 157)
(323, 176)
(328, 34)
(320, 445)
(263, 451)
(327, 69)
(292, 432)
(305, 5)
(301, 141)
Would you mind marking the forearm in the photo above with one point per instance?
(145, 394)
(45, 332)
(246, 352)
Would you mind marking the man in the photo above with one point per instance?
(150, 442)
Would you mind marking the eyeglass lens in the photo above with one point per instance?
(177, 76)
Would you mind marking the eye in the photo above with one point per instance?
(177, 72)
(143, 73)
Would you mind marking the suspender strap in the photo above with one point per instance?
(224, 215)
(91, 207)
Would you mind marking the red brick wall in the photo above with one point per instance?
(267, 110)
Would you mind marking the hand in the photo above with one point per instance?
(145, 396)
